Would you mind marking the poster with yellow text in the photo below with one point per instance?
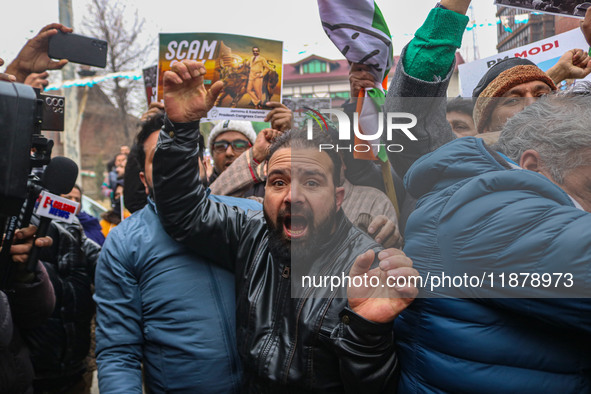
(251, 69)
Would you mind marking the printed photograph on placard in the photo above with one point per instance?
(150, 75)
(250, 68)
(574, 8)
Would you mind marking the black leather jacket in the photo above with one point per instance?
(286, 344)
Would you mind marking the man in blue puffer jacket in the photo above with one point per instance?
(525, 210)
(161, 305)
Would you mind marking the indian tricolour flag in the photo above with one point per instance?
(359, 30)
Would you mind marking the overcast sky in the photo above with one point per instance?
(295, 22)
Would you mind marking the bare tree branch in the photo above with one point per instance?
(128, 46)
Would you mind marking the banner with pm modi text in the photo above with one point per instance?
(544, 53)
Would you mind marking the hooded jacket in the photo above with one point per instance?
(475, 215)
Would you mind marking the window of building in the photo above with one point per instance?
(314, 66)
(344, 95)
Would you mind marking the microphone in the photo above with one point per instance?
(60, 175)
(59, 178)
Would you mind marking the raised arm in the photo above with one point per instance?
(421, 79)
(33, 56)
(573, 64)
(213, 230)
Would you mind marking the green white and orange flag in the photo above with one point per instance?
(360, 32)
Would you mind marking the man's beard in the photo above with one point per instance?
(301, 252)
(279, 247)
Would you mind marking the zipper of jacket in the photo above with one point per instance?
(280, 299)
(295, 342)
(244, 294)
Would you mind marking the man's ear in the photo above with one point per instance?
(530, 160)
(143, 179)
(340, 196)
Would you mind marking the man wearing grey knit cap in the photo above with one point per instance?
(228, 140)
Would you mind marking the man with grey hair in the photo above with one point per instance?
(510, 229)
(554, 139)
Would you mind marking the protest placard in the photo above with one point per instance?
(250, 67)
(150, 75)
(544, 53)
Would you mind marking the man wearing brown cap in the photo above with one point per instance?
(508, 79)
(426, 65)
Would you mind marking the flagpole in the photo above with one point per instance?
(385, 165)
(389, 184)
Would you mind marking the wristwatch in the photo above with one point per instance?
(438, 5)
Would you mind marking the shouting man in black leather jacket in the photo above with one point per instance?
(318, 343)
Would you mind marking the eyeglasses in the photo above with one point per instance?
(238, 146)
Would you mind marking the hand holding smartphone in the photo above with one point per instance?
(78, 49)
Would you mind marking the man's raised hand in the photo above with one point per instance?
(360, 77)
(263, 143)
(155, 108)
(185, 96)
(385, 231)
(6, 77)
(573, 64)
(33, 57)
(280, 116)
(382, 299)
(37, 80)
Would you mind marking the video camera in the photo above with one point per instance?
(27, 170)
(24, 153)
(24, 112)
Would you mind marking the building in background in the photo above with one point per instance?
(319, 77)
(519, 27)
(101, 135)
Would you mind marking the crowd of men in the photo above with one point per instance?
(211, 285)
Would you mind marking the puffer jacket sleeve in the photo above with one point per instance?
(534, 233)
(119, 335)
(212, 229)
(367, 358)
